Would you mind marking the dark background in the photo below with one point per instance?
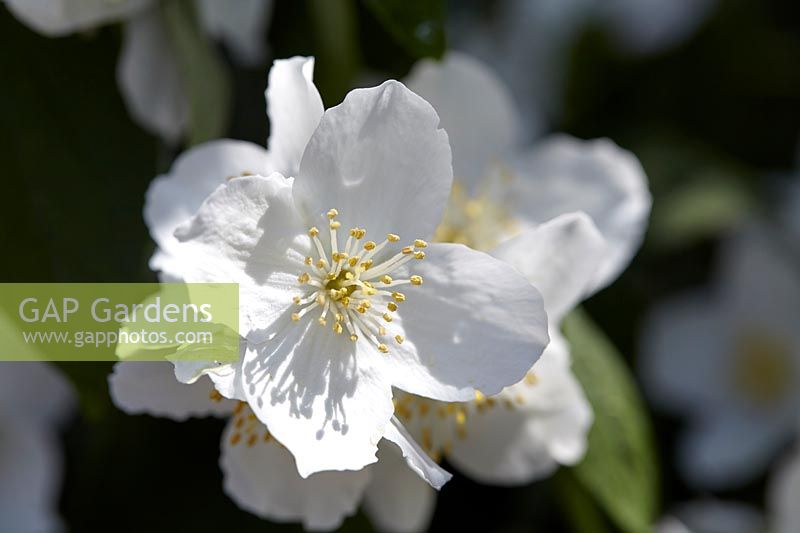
(719, 114)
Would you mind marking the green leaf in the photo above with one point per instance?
(700, 208)
(619, 470)
(203, 73)
(336, 37)
(416, 25)
(579, 508)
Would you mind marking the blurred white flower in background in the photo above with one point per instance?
(728, 358)
(528, 42)
(148, 73)
(716, 516)
(35, 400)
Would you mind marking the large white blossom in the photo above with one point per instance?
(442, 329)
(34, 400)
(728, 358)
(148, 73)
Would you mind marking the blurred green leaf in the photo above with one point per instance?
(336, 37)
(417, 25)
(700, 208)
(202, 71)
(619, 469)
(579, 508)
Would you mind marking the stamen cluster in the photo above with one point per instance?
(353, 285)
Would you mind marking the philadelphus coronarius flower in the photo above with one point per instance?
(148, 73)
(342, 296)
(728, 358)
(35, 400)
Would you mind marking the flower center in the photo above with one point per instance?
(480, 221)
(763, 368)
(352, 285)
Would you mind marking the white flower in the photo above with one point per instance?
(336, 317)
(35, 400)
(713, 516)
(147, 70)
(561, 254)
(728, 358)
(566, 214)
(363, 160)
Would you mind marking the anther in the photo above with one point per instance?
(335, 224)
(391, 237)
(295, 317)
(386, 279)
(369, 245)
(332, 214)
(399, 339)
(399, 297)
(387, 317)
(419, 243)
(419, 255)
(416, 280)
(383, 348)
(391, 306)
(313, 232)
(304, 277)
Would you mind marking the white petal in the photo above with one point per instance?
(474, 106)
(533, 427)
(248, 232)
(415, 457)
(381, 160)
(320, 394)
(397, 500)
(295, 108)
(151, 388)
(685, 344)
(563, 174)
(475, 324)
(30, 477)
(174, 197)
(729, 449)
(149, 79)
(559, 258)
(61, 17)
(784, 493)
(240, 24)
(262, 478)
